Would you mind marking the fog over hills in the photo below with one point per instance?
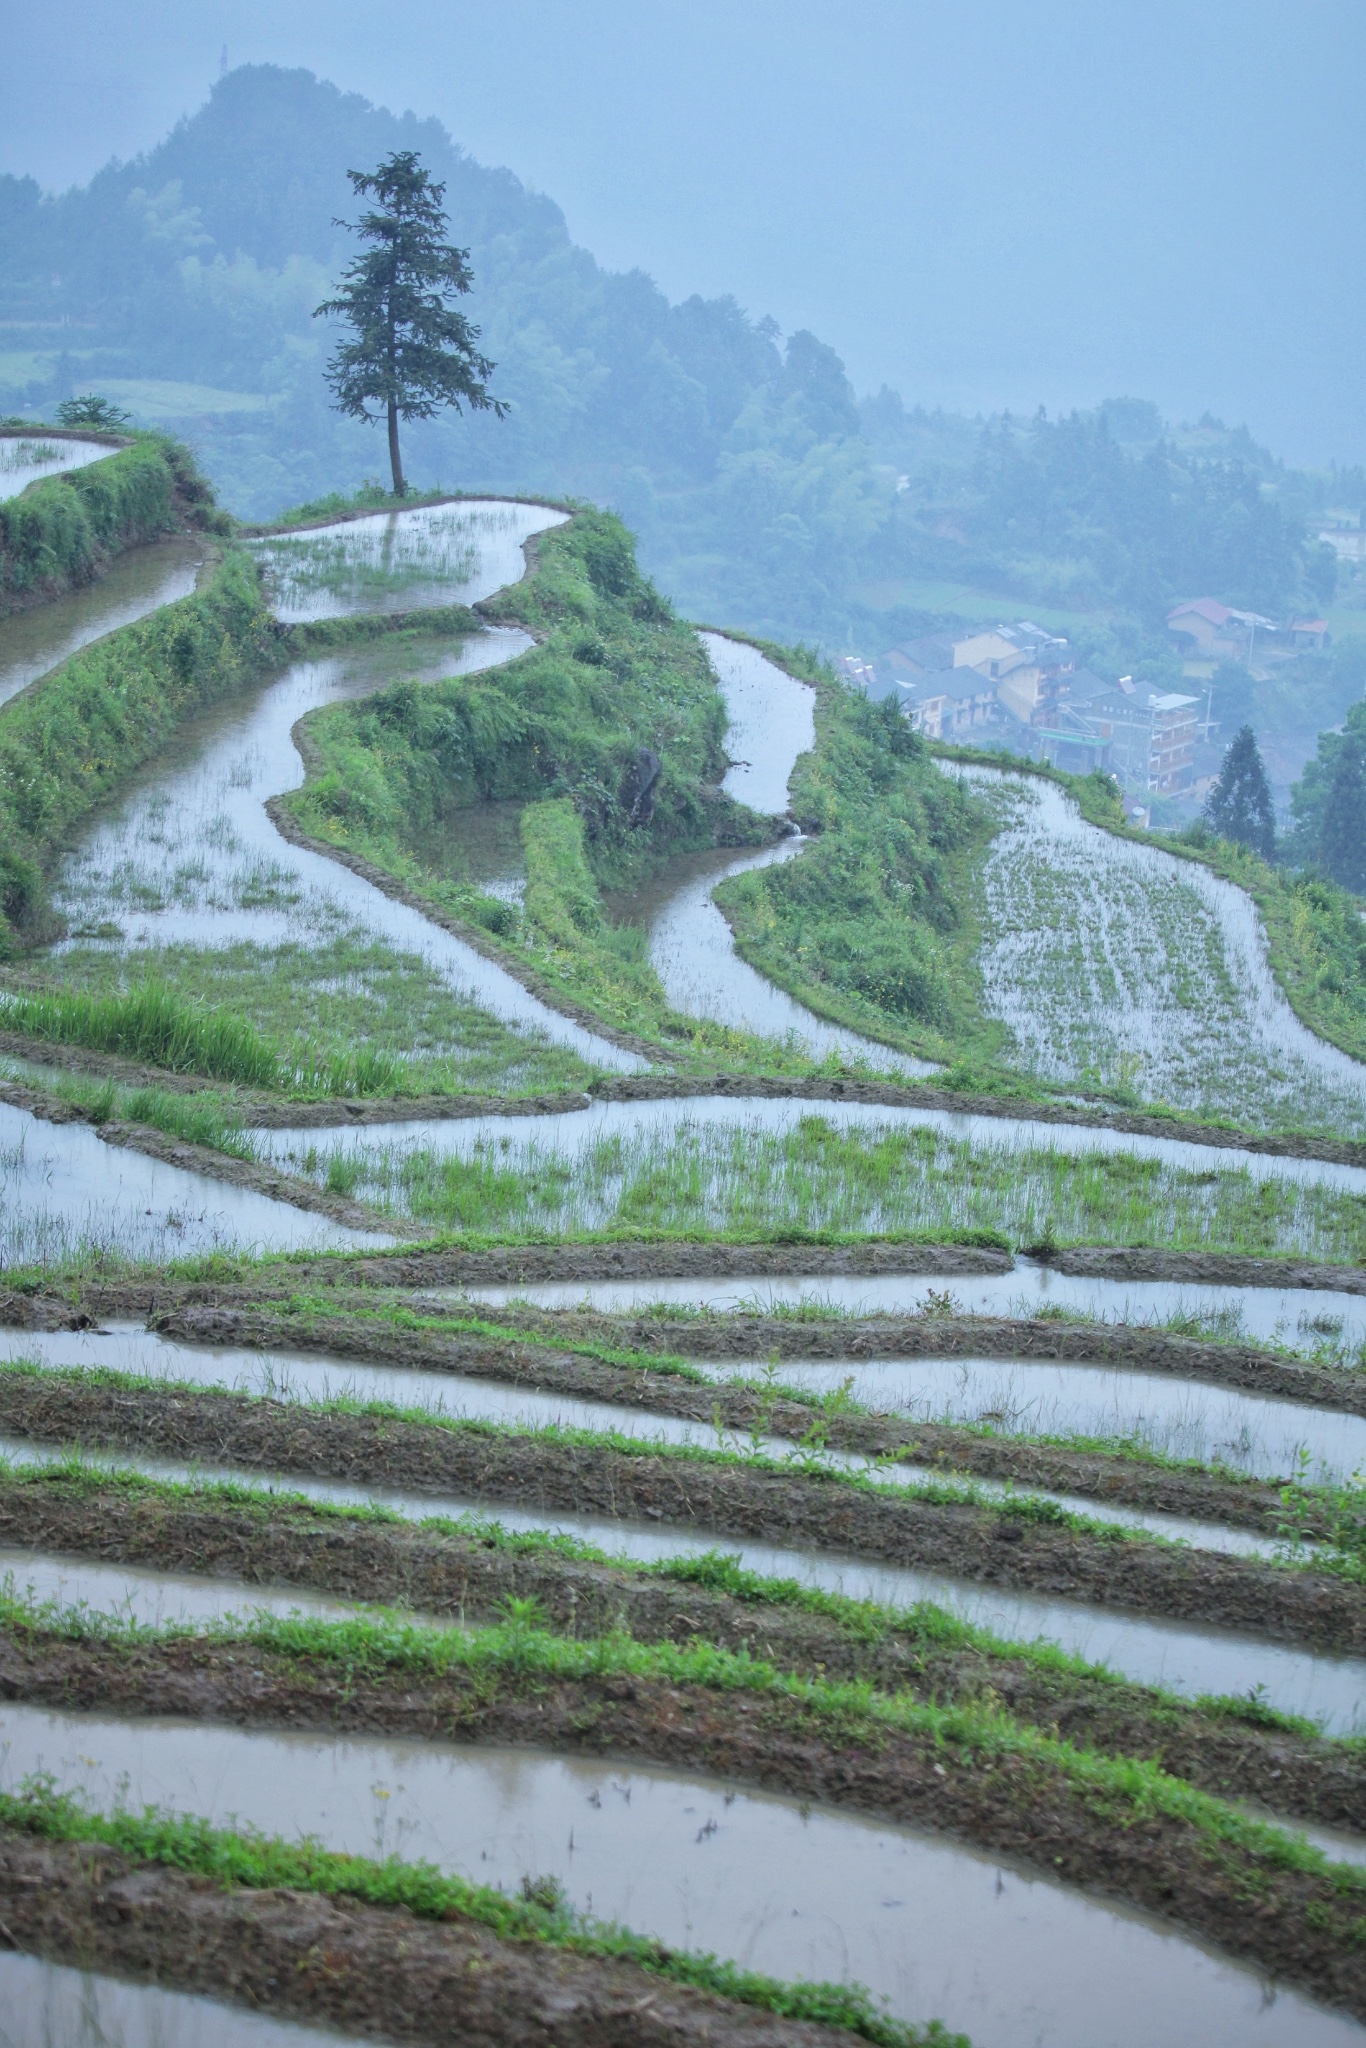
(764, 492)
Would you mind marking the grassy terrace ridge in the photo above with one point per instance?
(72, 740)
(61, 529)
(472, 1566)
(1144, 1836)
(1117, 1469)
(872, 926)
(1313, 927)
(1024, 1540)
(561, 731)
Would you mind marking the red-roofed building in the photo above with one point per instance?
(1207, 630)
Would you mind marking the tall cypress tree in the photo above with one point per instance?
(1239, 806)
(411, 353)
(1342, 832)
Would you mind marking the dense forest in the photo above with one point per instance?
(763, 493)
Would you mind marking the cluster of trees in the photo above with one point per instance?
(1074, 508)
(761, 491)
(1328, 805)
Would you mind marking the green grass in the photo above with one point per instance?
(318, 1008)
(74, 739)
(56, 533)
(742, 1180)
(259, 1862)
(871, 925)
(150, 1022)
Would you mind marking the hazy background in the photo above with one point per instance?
(985, 205)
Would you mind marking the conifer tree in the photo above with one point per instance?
(1239, 805)
(1342, 832)
(410, 352)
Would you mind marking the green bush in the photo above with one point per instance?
(870, 924)
(55, 533)
(76, 736)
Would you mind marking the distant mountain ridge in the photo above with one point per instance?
(763, 494)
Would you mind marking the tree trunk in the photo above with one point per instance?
(395, 459)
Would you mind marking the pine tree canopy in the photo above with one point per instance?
(410, 352)
(1342, 832)
(1239, 805)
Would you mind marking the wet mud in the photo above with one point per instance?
(1002, 1546)
(377, 1972)
(284, 1545)
(1246, 1503)
(750, 1337)
(1303, 1929)
(260, 1177)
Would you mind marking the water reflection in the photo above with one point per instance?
(138, 582)
(27, 458)
(934, 1927)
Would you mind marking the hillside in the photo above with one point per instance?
(764, 496)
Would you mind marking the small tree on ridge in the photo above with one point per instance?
(1239, 806)
(410, 353)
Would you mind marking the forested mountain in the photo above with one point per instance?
(762, 493)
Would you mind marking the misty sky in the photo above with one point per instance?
(983, 204)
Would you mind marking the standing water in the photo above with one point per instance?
(27, 458)
(138, 582)
(1118, 963)
(192, 855)
(46, 2005)
(771, 721)
(795, 1891)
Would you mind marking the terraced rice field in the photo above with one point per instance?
(608, 1557)
(1114, 962)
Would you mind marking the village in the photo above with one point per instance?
(1020, 689)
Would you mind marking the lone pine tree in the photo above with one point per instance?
(1239, 805)
(410, 352)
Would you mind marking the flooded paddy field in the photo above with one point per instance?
(733, 1164)
(28, 458)
(1176, 1418)
(66, 1196)
(310, 1379)
(138, 582)
(1116, 962)
(54, 2005)
(928, 1925)
(145, 1596)
(399, 561)
(1314, 1322)
(574, 1135)
(573, 1510)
